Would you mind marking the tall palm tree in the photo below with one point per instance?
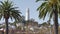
(52, 8)
(7, 10)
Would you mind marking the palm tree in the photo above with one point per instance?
(52, 8)
(7, 10)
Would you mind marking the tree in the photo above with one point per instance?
(52, 8)
(7, 10)
(21, 20)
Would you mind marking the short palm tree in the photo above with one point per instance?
(7, 10)
(52, 8)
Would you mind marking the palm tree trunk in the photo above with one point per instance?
(6, 20)
(55, 20)
(56, 23)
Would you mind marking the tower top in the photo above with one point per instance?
(27, 9)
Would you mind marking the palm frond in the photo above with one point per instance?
(41, 0)
(37, 0)
(42, 6)
(42, 10)
(51, 15)
(41, 13)
(2, 3)
(0, 16)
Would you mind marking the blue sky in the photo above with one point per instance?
(32, 5)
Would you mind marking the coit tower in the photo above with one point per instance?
(27, 14)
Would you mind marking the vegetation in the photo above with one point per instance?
(52, 8)
(48, 7)
(7, 10)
